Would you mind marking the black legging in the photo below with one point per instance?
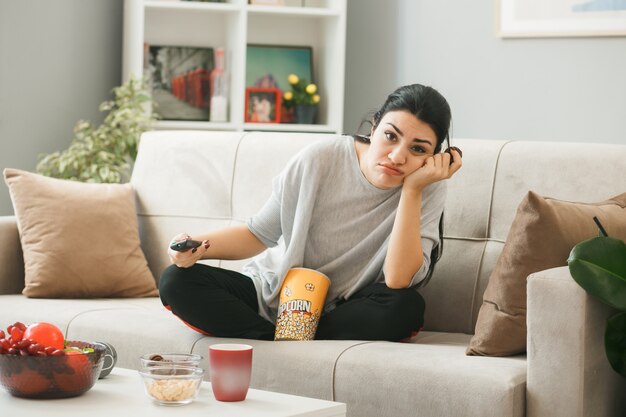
(224, 303)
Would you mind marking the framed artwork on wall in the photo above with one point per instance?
(263, 105)
(178, 78)
(268, 66)
(560, 18)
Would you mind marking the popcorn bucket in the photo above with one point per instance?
(302, 298)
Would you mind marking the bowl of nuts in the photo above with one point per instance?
(172, 384)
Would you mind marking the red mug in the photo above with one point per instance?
(230, 369)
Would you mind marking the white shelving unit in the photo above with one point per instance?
(320, 24)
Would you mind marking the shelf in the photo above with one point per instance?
(320, 25)
(194, 125)
(191, 6)
(269, 127)
(292, 11)
(289, 127)
(229, 8)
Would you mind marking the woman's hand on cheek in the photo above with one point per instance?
(435, 168)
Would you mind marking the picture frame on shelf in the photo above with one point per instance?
(560, 18)
(268, 66)
(263, 105)
(179, 80)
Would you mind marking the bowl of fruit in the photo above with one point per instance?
(37, 362)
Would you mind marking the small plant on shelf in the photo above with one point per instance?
(302, 92)
(302, 100)
(105, 154)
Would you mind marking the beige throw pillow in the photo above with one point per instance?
(80, 240)
(542, 235)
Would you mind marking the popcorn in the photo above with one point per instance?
(297, 326)
(301, 303)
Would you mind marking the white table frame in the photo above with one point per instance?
(121, 393)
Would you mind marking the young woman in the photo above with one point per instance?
(366, 211)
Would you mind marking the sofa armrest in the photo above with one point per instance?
(568, 372)
(11, 258)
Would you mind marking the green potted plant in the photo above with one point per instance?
(599, 266)
(105, 153)
(302, 98)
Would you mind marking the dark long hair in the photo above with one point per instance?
(425, 103)
(429, 106)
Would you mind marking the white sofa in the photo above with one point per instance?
(199, 180)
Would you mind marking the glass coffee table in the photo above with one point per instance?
(121, 393)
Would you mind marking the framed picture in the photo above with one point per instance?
(263, 105)
(268, 66)
(178, 78)
(546, 18)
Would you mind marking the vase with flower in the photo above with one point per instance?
(301, 100)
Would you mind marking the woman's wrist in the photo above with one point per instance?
(412, 191)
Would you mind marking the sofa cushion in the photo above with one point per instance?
(183, 183)
(61, 312)
(430, 377)
(305, 368)
(542, 234)
(79, 240)
(135, 329)
(12, 271)
(461, 276)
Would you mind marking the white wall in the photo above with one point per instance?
(372, 58)
(58, 61)
(563, 89)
